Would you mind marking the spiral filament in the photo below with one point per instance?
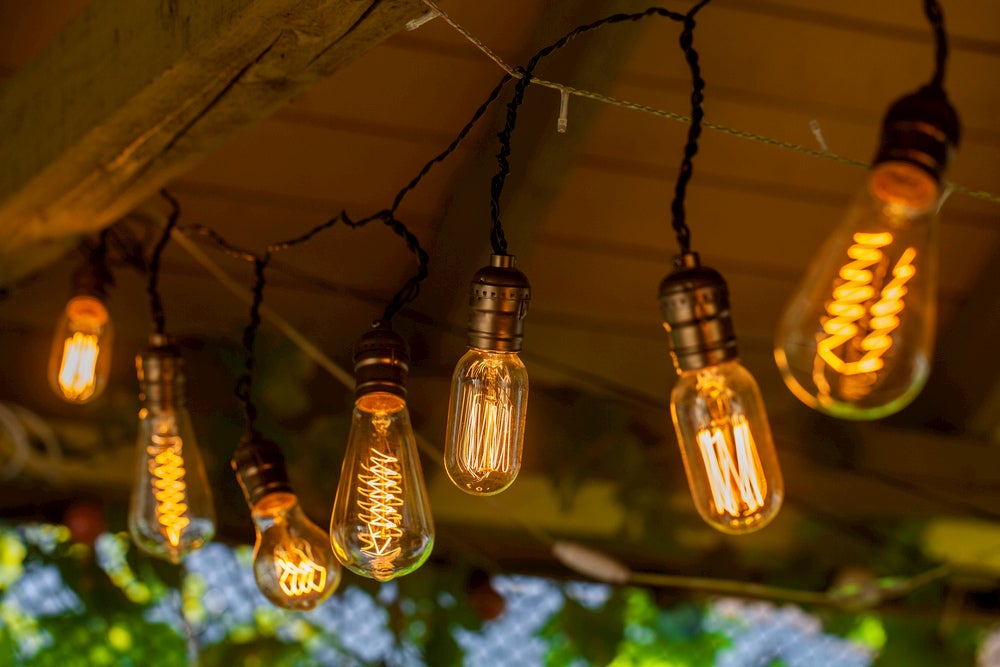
(735, 474)
(486, 422)
(847, 312)
(298, 572)
(167, 469)
(380, 517)
(78, 371)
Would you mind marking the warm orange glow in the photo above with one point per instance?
(904, 185)
(167, 469)
(78, 370)
(735, 474)
(850, 308)
(298, 572)
(379, 485)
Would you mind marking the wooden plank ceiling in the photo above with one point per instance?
(587, 212)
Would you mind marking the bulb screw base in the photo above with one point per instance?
(260, 468)
(381, 362)
(922, 129)
(159, 368)
(498, 301)
(694, 301)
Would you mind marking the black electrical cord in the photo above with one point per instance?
(159, 320)
(936, 18)
(244, 386)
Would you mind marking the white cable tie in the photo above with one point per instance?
(413, 24)
(818, 133)
(591, 563)
(563, 121)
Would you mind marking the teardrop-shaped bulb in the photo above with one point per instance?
(856, 338)
(489, 400)
(292, 561)
(81, 350)
(381, 525)
(726, 444)
(170, 512)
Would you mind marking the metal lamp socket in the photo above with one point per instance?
(381, 362)
(694, 301)
(161, 376)
(922, 129)
(260, 468)
(498, 301)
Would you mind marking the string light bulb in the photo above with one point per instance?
(292, 561)
(381, 526)
(170, 511)
(80, 359)
(856, 338)
(489, 389)
(718, 413)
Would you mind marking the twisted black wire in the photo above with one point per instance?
(159, 319)
(244, 386)
(497, 239)
(933, 11)
(694, 130)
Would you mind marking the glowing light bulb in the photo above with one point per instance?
(856, 338)
(81, 350)
(170, 512)
(718, 413)
(293, 564)
(381, 525)
(489, 390)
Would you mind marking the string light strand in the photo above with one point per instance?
(156, 304)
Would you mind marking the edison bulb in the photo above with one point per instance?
(856, 339)
(292, 561)
(718, 413)
(81, 350)
(381, 525)
(726, 445)
(489, 398)
(171, 511)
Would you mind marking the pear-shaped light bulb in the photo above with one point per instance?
(381, 526)
(170, 512)
(856, 338)
(81, 350)
(489, 389)
(718, 413)
(293, 563)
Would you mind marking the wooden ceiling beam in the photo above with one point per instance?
(131, 94)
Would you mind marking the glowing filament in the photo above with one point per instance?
(78, 372)
(486, 424)
(848, 307)
(298, 574)
(735, 474)
(167, 469)
(382, 498)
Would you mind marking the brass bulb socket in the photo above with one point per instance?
(159, 368)
(498, 302)
(260, 468)
(694, 301)
(381, 362)
(922, 129)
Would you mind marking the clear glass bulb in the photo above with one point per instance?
(381, 525)
(81, 350)
(489, 399)
(726, 444)
(171, 512)
(856, 339)
(292, 561)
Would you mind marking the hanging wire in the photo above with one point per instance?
(159, 320)
(497, 239)
(936, 17)
(694, 129)
(244, 386)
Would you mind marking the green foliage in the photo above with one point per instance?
(577, 633)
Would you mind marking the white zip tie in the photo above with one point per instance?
(427, 17)
(818, 133)
(563, 111)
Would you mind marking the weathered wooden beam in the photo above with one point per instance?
(131, 94)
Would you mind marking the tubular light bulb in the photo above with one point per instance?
(718, 413)
(489, 389)
(856, 338)
(170, 512)
(81, 350)
(292, 561)
(381, 525)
